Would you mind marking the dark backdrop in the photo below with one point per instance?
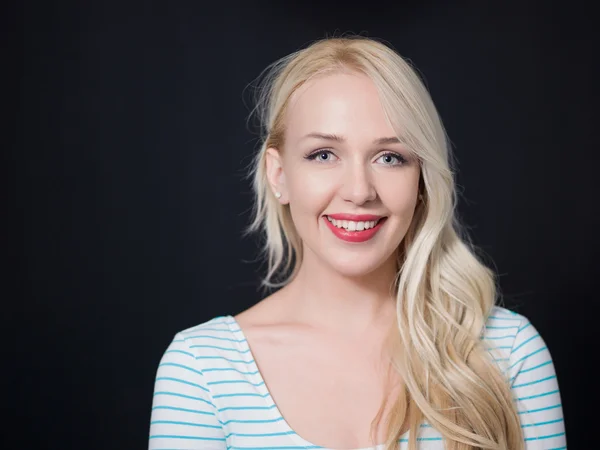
(129, 197)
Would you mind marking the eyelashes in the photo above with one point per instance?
(401, 159)
(315, 156)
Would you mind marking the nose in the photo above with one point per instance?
(357, 186)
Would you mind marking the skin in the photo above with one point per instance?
(334, 315)
(348, 282)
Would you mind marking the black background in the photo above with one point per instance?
(129, 200)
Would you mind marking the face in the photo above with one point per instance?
(351, 187)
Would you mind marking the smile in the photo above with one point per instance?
(354, 228)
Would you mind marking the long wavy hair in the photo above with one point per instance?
(444, 291)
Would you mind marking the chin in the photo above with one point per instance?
(354, 267)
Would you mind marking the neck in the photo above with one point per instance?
(323, 298)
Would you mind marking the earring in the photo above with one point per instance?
(277, 194)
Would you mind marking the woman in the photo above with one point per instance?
(384, 330)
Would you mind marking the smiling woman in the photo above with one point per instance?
(384, 328)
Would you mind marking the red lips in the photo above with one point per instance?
(354, 236)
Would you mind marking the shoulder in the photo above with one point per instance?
(514, 341)
(207, 352)
(523, 356)
(182, 393)
(195, 345)
(508, 327)
(503, 323)
(215, 347)
(217, 336)
(215, 327)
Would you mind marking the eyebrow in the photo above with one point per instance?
(341, 139)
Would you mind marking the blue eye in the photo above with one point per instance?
(387, 159)
(392, 159)
(321, 156)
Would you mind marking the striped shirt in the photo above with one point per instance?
(209, 393)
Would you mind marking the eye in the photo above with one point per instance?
(392, 159)
(322, 156)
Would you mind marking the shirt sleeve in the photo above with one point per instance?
(536, 392)
(183, 413)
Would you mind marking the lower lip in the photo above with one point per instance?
(354, 236)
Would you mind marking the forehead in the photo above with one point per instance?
(340, 103)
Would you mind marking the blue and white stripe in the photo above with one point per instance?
(210, 395)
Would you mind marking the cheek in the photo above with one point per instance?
(310, 192)
(400, 203)
(399, 195)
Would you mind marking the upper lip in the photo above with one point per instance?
(355, 217)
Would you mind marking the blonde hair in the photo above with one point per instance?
(444, 292)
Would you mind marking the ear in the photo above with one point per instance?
(275, 174)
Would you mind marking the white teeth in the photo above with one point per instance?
(353, 226)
